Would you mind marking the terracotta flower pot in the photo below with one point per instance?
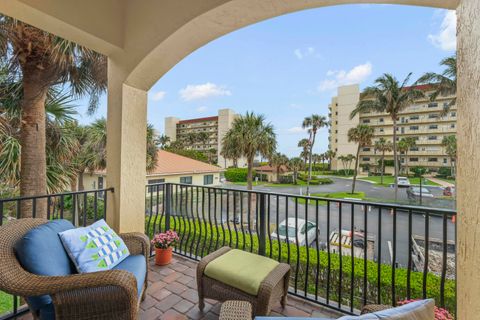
(163, 256)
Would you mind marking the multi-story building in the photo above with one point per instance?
(423, 120)
(208, 131)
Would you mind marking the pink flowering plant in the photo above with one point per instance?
(440, 313)
(165, 240)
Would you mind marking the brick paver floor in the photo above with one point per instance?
(172, 295)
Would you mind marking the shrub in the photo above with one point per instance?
(192, 154)
(444, 172)
(237, 174)
(68, 205)
(200, 238)
(325, 180)
(286, 179)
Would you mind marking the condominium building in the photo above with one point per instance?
(423, 120)
(215, 128)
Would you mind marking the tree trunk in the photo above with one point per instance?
(278, 174)
(310, 165)
(81, 187)
(382, 169)
(406, 162)
(249, 173)
(395, 163)
(33, 162)
(355, 169)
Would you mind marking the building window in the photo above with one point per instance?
(413, 127)
(433, 126)
(413, 159)
(433, 115)
(445, 160)
(365, 159)
(186, 180)
(381, 130)
(366, 149)
(414, 149)
(452, 126)
(336, 113)
(414, 117)
(336, 131)
(366, 120)
(208, 179)
(432, 137)
(402, 160)
(432, 159)
(453, 114)
(433, 105)
(380, 120)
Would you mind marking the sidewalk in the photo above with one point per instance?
(441, 182)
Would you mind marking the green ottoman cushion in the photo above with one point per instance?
(242, 270)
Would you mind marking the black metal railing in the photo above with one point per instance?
(81, 208)
(344, 254)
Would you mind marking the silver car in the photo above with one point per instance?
(307, 230)
(416, 192)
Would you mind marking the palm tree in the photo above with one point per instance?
(450, 144)
(382, 146)
(203, 137)
(60, 142)
(330, 155)
(251, 135)
(40, 61)
(404, 145)
(362, 135)
(445, 83)
(231, 152)
(295, 164)
(164, 141)
(277, 160)
(305, 145)
(390, 96)
(313, 123)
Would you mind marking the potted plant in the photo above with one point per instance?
(163, 244)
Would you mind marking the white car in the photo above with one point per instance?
(307, 230)
(403, 182)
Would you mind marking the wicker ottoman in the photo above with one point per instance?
(273, 288)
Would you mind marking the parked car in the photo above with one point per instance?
(307, 230)
(414, 193)
(403, 182)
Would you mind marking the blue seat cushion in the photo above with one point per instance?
(138, 266)
(41, 252)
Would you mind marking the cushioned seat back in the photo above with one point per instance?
(41, 252)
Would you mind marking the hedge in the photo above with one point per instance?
(237, 174)
(200, 238)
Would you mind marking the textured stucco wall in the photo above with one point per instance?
(468, 175)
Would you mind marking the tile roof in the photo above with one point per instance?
(269, 168)
(169, 163)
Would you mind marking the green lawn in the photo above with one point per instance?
(388, 180)
(334, 195)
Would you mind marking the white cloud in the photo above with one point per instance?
(446, 38)
(157, 96)
(202, 109)
(305, 52)
(296, 130)
(202, 91)
(357, 74)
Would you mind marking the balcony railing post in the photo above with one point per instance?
(168, 205)
(262, 225)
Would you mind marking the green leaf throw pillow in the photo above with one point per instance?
(94, 248)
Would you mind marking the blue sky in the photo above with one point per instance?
(289, 67)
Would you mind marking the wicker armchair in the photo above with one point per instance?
(100, 295)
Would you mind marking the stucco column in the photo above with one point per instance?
(126, 152)
(468, 175)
